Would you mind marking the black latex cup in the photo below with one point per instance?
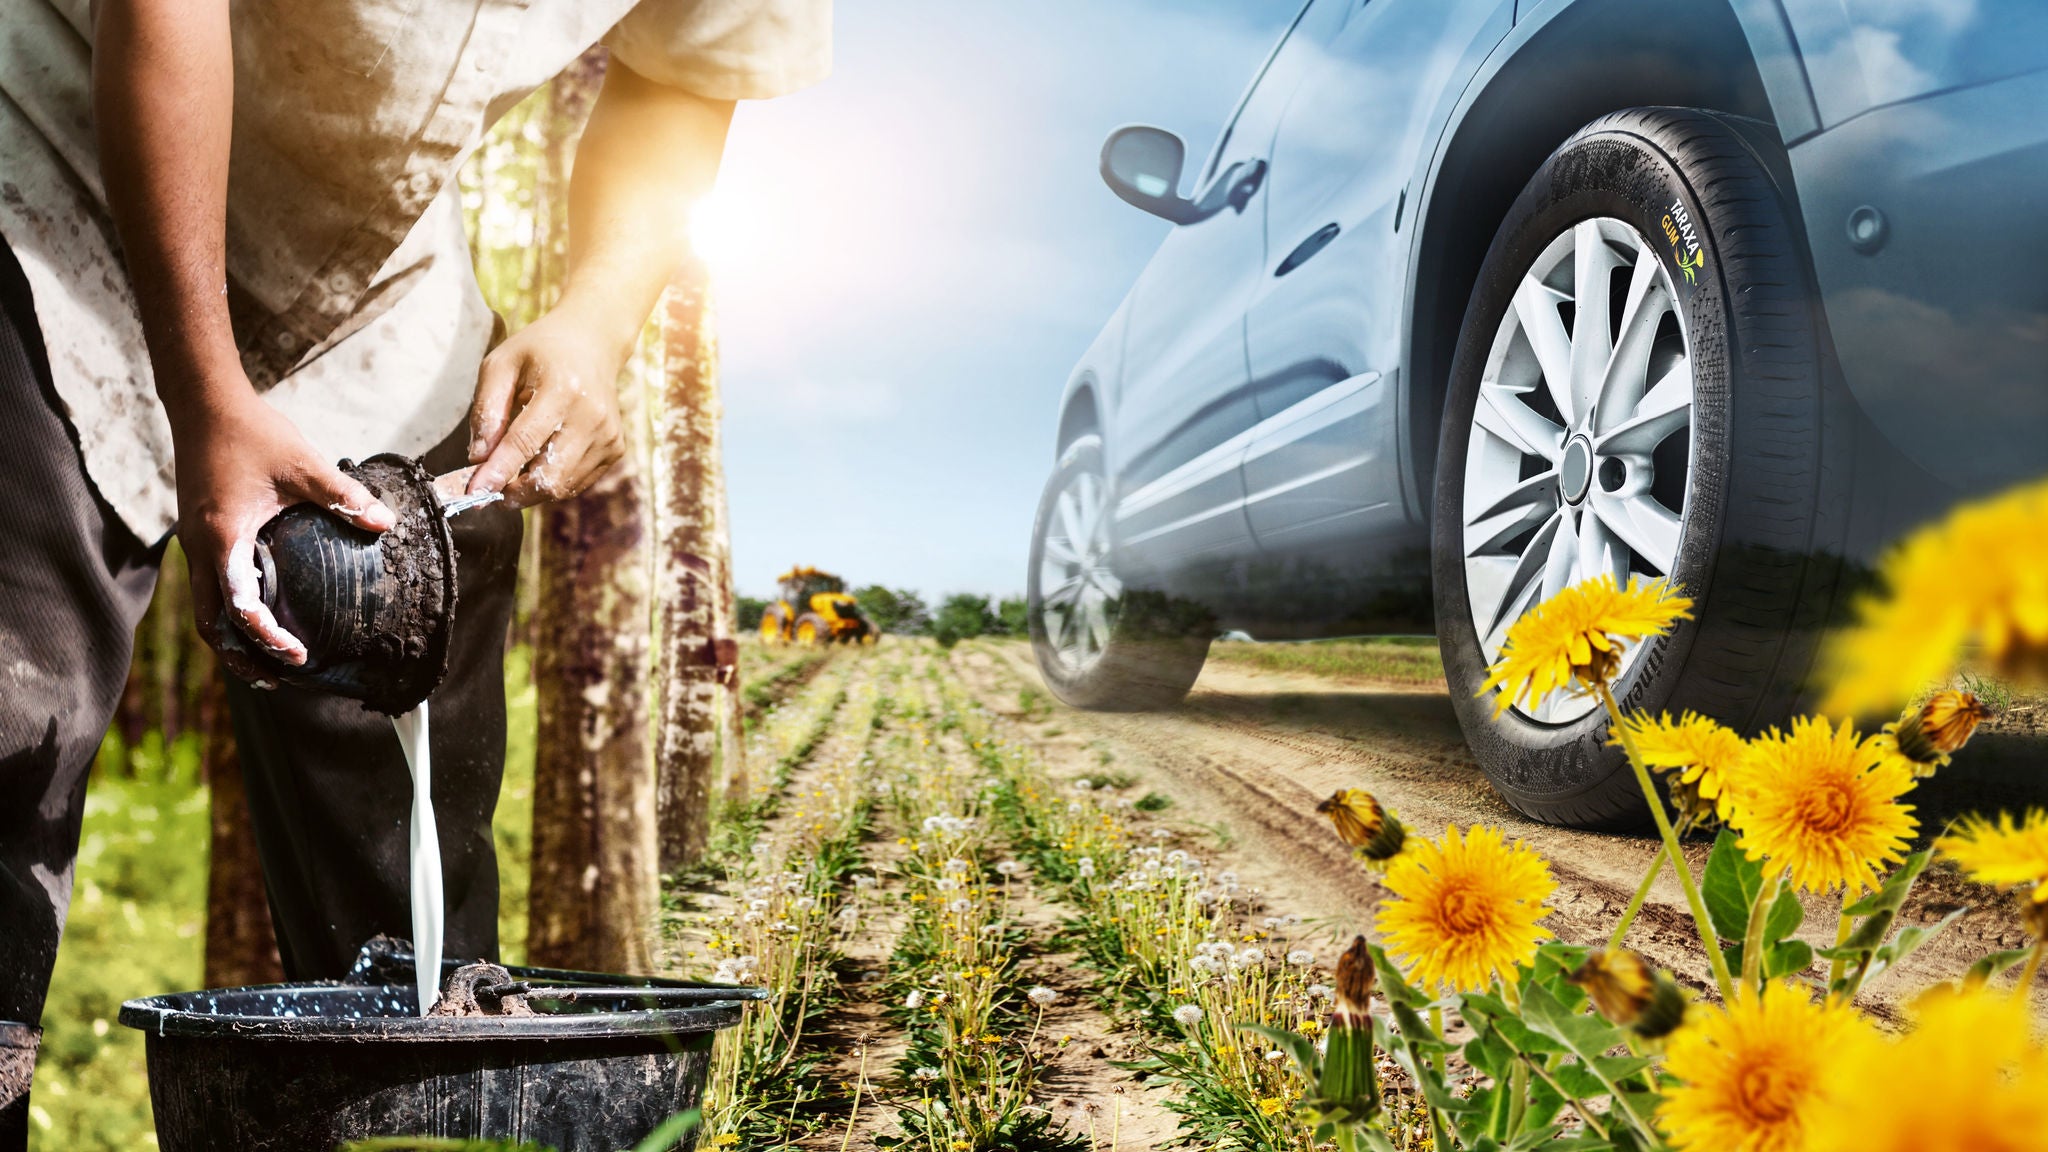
(373, 610)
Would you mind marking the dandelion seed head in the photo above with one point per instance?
(1042, 996)
(1301, 958)
(1188, 1015)
(1008, 868)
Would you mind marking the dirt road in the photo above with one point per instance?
(1250, 753)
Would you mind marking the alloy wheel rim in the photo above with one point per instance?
(1078, 592)
(1579, 460)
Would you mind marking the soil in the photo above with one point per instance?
(1249, 754)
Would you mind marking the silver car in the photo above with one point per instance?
(1475, 299)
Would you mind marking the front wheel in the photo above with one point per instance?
(1638, 392)
(1098, 644)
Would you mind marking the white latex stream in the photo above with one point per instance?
(429, 912)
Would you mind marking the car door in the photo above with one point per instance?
(1183, 412)
(1323, 333)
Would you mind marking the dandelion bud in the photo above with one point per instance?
(1630, 993)
(1355, 978)
(1373, 833)
(1348, 1081)
(1927, 736)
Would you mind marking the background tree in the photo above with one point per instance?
(595, 885)
(897, 610)
(1012, 617)
(963, 616)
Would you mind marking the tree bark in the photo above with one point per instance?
(241, 946)
(695, 649)
(732, 728)
(595, 891)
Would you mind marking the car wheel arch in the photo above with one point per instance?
(1498, 139)
(1079, 416)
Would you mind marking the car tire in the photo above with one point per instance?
(1144, 650)
(1759, 515)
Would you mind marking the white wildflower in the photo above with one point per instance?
(1275, 1056)
(954, 865)
(1301, 958)
(926, 1073)
(1008, 868)
(959, 906)
(915, 1000)
(1042, 996)
(1321, 991)
(1188, 1015)
(1085, 866)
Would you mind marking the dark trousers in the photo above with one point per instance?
(329, 791)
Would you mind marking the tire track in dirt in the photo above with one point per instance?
(1255, 751)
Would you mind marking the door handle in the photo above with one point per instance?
(1316, 242)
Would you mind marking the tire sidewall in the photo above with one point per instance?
(1081, 690)
(1155, 651)
(1619, 174)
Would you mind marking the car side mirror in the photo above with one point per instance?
(1142, 165)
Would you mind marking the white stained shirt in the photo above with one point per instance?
(354, 301)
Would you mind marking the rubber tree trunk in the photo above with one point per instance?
(595, 891)
(695, 653)
(241, 946)
(732, 728)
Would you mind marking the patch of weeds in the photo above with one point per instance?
(1225, 839)
(1105, 757)
(1153, 802)
(1993, 692)
(1035, 705)
(1116, 781)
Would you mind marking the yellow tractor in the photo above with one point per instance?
(814, 609)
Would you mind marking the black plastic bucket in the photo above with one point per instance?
(602, 1062)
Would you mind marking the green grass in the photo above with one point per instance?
(1398, 660)
(137, 928)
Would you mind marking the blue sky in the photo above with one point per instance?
(912, 256)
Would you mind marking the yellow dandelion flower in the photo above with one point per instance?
(1271, 1105)
(1824, 805)
(1467, 909)
(1579, 634)
(1754, 1072)
(1705, 755)
(2004, 854)
(1969, 1077)
(1978, 577)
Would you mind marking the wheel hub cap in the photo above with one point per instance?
(1078, 590)
(1576, 471)
(1580, 453)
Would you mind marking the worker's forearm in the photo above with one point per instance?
(648, 153)
(163, 102)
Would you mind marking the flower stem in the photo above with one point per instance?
(1842, 930)
(1438, 1125)
(1753, 940)
(1715, 960)
(1635, 904)
(2027, 974)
